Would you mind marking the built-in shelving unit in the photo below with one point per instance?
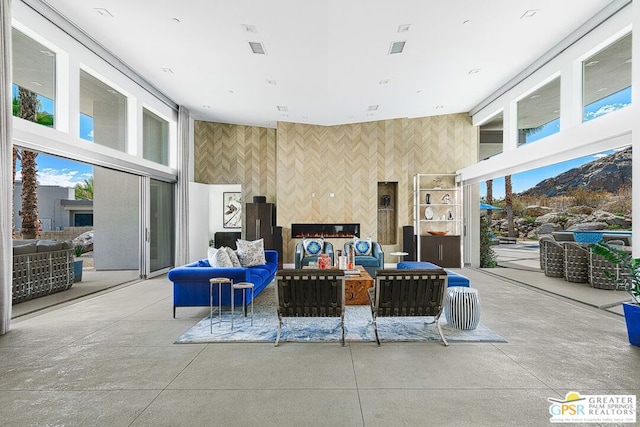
(438, 219)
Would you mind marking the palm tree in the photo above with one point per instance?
(29, 212)
(489, 198)
(84, 190)
(508, 196)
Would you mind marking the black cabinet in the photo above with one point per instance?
(260, 223)
(441, 250)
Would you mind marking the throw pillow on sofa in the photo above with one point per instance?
(251, 253)
(362, 246)
(312, 247)
(233, 256)
(219, 258)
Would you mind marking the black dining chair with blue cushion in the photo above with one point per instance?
(309, 250)
(368, 254)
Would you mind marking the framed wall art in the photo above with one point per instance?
(232, 213)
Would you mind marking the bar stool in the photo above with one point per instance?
(218, 281)
(244, 286)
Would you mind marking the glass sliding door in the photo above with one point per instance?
(161, 225)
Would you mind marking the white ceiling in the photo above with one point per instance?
(327, 57)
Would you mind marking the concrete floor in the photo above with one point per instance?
(108, 359)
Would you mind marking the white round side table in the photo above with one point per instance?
(462, 307)
(400, 255)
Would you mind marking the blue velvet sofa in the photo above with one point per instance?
(455, 279)
(191, 282)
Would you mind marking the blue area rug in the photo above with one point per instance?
(358, 327)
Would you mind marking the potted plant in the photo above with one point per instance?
(630, 281)
(77, 263)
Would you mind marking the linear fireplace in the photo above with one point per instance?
(299, 231)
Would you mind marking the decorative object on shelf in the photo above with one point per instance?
(428, 198)
(446, 199)
(449, 215)
(437, 232)
(437, 182)
(428, 213)
(385, 200)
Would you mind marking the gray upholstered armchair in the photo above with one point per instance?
(372, 262)
(303, 259)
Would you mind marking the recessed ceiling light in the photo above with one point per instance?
(396, 47)
(474, 71)
(257, 48)
(272, 82)
(103, 12)
(230, 91)
(384, 82)
(466, 21)
(208, 107)
(176, 20)
(249, 28)
(36, 83)
(404, 28)
(534, 96)
(439, 107)
(418, 91)
(167, 70)
(372, 107)
(282, 108)
(530, 13)
(591, 63)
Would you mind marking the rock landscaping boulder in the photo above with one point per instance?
(85, 240)
(536, 211)
(586, 226)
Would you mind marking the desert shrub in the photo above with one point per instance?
(614, 227)
(584, 197)
(529, 220)
(487, 254)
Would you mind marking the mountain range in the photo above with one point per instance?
(608, 173)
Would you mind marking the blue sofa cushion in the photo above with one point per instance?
(455, 279)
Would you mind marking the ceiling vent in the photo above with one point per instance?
(257, 48)
(396, 47)
(282, 108)
(372, 107)
(405, 28)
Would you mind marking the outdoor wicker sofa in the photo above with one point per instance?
(41, 267)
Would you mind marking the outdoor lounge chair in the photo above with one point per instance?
(604, 274)
(551, 257)
(401, 293)
(310, 293)
(576, 263)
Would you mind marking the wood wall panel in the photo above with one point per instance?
(234, 154)
(297, 161)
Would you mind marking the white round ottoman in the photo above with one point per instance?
(462, 307)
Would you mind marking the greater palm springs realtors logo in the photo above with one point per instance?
(606, 408)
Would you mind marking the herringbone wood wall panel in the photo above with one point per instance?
(300, 161)
(233, 154)
(350, 160)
